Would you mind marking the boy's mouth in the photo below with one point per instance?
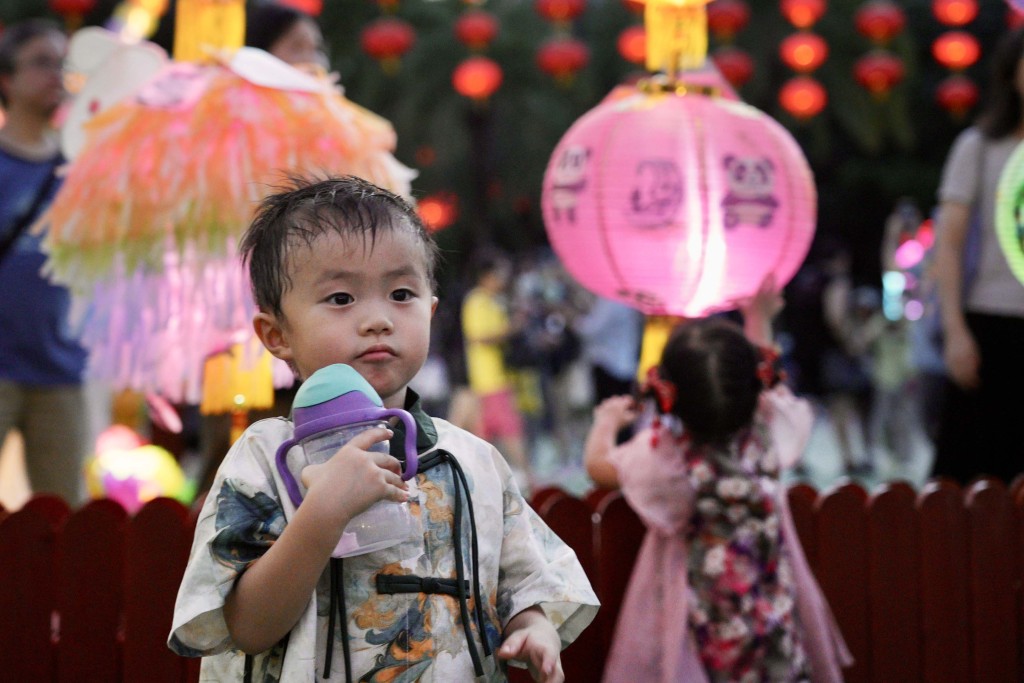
(377, 352)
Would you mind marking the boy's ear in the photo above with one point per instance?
(433, 305)
(268, 329)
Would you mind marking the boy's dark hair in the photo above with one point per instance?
(266, 23)
(14, 37)
(714, 369)
(1003, 109)
(310, 207)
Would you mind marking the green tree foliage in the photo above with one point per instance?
(866, 152)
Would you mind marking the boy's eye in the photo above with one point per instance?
(403, 295)
(340, 299)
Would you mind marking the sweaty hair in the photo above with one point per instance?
(308, 208)
(1003, 111)
(14, 37)
(266, 23)
(714, 369)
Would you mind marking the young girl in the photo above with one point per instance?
(721, 590)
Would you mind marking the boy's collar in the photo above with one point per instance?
(426, 433)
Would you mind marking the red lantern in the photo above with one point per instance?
(438, 211)
(880, 20)
(878, 71)
(735, 65)
(387, 39)
(1014, 18)
(726, 18)
(68, 8)
(955, 12)
(311, 7)
(803, 52)
(803, 97)
(476, 29)
(632, 44)
(956, 50)
(560, 10)
(802, 13)
(477, 78)
(957, 94)
(561, 58)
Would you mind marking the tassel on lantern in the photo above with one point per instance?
(677, 34)
(204, 26)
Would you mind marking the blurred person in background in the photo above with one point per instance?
(42, 393)
(982, 303)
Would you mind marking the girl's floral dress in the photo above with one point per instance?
(721, 590)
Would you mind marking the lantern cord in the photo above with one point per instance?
(677, 35)
(204, 27)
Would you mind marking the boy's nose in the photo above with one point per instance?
(376, 322)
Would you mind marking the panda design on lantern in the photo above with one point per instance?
(751, 199)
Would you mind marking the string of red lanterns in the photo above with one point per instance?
(879, 70)
(726, 18)
(477, 77)
(563, 55)
(956, 50)
(802, 96)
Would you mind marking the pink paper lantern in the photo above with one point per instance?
(678, 204)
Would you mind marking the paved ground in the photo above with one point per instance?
(823, 466)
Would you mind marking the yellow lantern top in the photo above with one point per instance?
(677, 34)
(203, 27)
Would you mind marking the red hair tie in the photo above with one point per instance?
(766, 368)
(664, 391)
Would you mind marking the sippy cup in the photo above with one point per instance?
(333, 405)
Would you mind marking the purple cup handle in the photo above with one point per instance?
(411, 458)
(290, 484)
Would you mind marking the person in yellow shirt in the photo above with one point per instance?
(485, 327)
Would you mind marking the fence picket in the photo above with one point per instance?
(158, 541)
(842, 570)
(91, 578)
(991, 523)
(570, 518)
(617, 542)
(894, 565)
(28, 589)
(802, 500)
(944, 603)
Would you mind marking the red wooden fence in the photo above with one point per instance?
(926, 586)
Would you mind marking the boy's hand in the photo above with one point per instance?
(615, 412)
(354, 479)
(531, 638)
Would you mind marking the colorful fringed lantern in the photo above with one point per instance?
(169, 160)
(677, 202)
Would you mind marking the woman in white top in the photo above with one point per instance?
(982, 303)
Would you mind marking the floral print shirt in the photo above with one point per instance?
(393, 638)
(743, 614)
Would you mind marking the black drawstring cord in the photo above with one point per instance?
(343, 615)
(477, 599)
(337, 608)
(460, 571)
(328, 655)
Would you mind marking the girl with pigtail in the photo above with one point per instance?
(721, 590)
